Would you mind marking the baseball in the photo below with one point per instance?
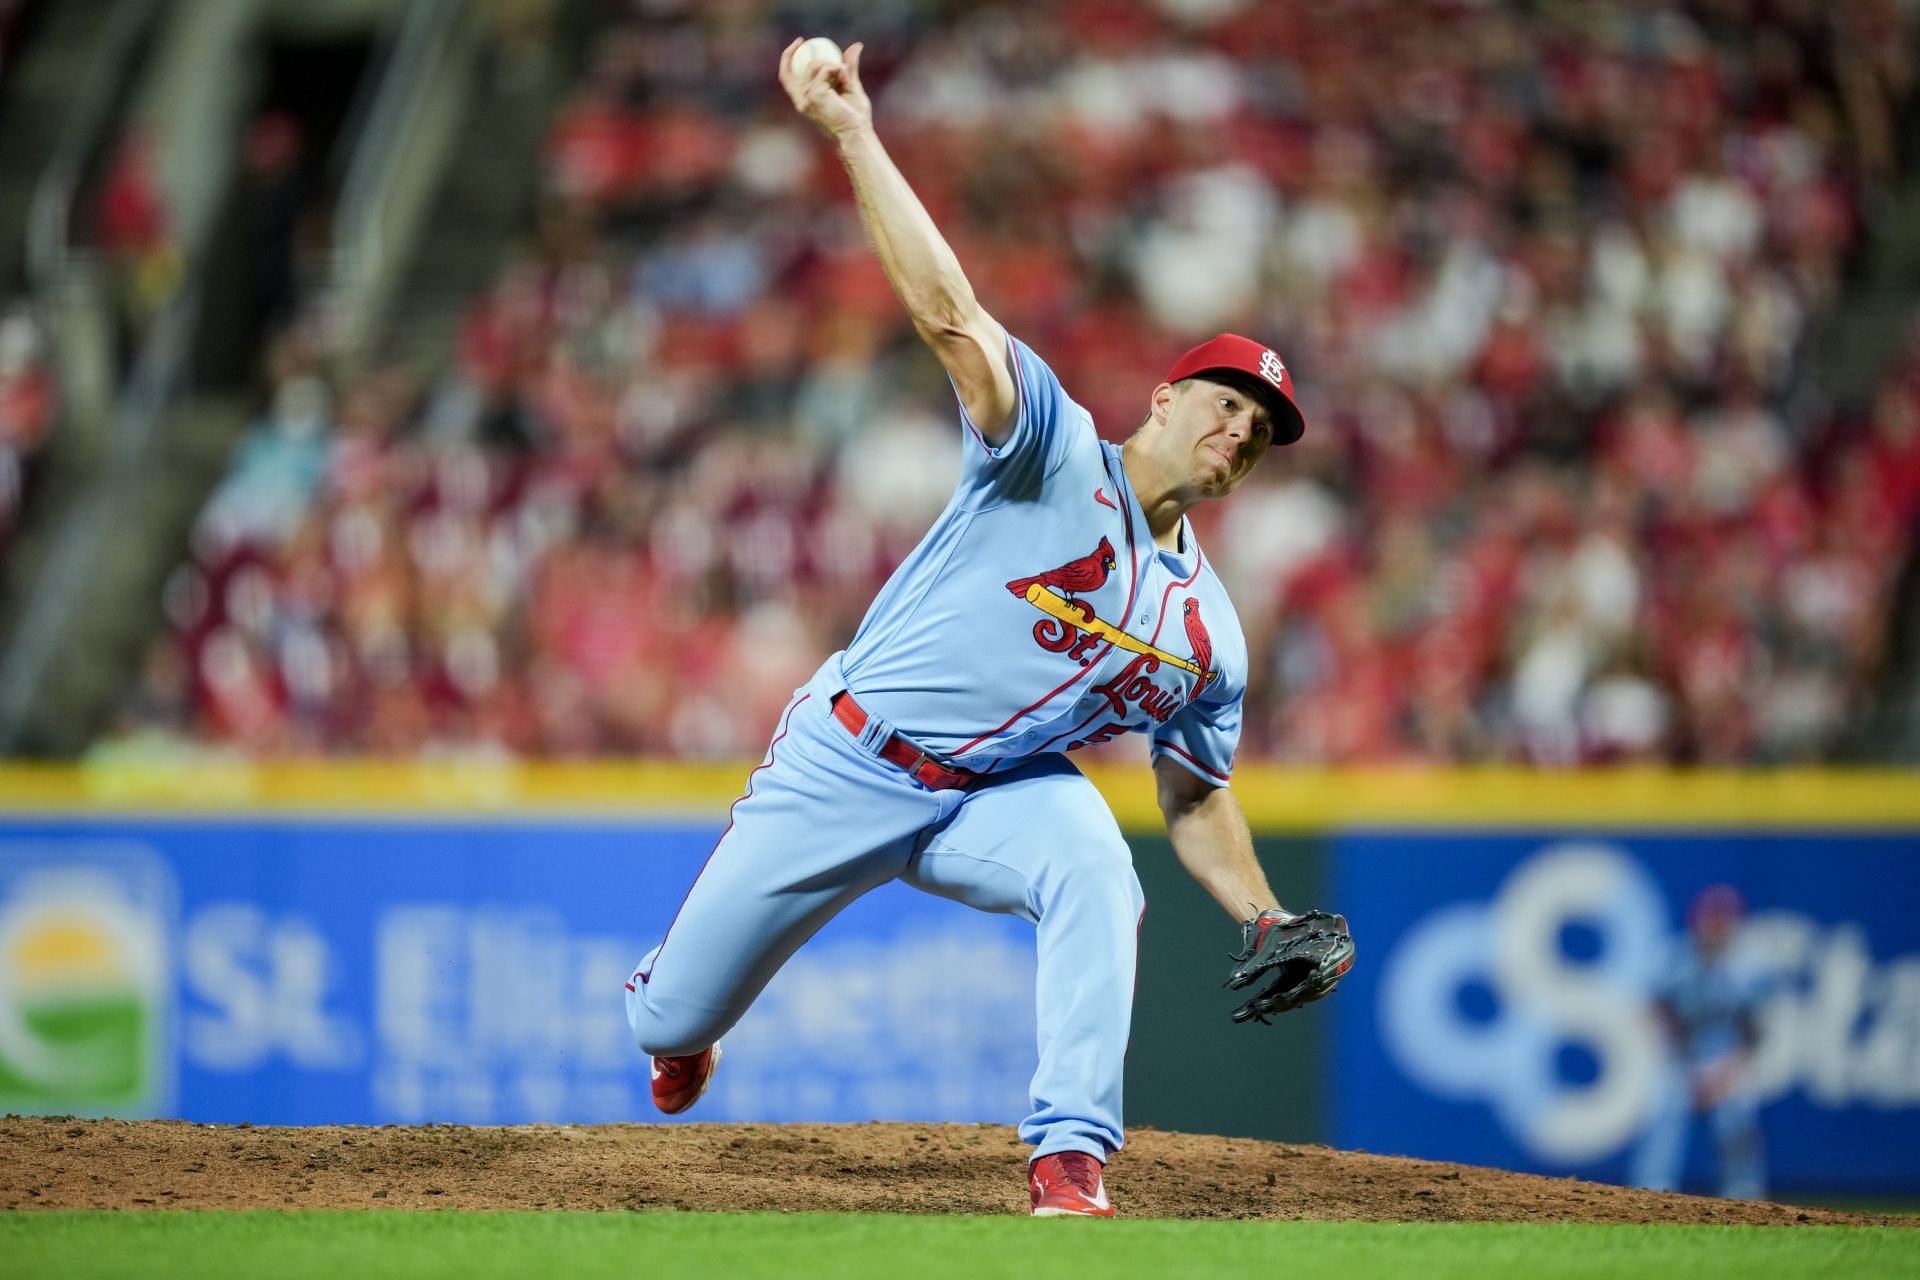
(818, 49)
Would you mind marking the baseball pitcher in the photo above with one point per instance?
(1060, 600)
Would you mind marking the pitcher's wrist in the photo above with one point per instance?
(853, 135)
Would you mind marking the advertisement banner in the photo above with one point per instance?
(295, 971)
(1623, 1006)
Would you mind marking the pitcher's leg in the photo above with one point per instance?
(790, 860)
(728, 942)
(1089, 933)
(1043, 845)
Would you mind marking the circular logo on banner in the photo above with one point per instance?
(1535, 1003)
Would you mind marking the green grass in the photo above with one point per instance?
(1887, 1206)
(464, 1246)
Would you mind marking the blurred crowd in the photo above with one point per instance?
(1545, 275)
(13, 21)
(27, 406)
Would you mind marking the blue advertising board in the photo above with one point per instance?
(303, 971)
(1504, 1013)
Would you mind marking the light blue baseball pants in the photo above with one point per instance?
(1735, 1122)
(824, 821)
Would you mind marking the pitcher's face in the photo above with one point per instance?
(1214, 431)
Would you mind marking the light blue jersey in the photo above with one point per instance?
(1037, 615)
(1711, 1000)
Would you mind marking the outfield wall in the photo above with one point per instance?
(402, 944)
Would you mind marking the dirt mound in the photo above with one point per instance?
(64, 1163)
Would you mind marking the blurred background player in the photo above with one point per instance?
(1709, 1006)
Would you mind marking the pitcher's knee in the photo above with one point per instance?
(1099, 870)
(666, 1028)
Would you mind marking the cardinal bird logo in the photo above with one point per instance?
(1088, 573)
(1197, 637)
(1073, 628)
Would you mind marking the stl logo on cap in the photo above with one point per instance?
(1271, 369)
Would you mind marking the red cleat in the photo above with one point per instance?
(679, 1082)
(1068, 1185)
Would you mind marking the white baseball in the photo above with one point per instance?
(818, 49)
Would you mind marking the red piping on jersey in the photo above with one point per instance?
(1019, 399)
(1199, 562)
(1199, 559)
(785, 722)
(968, 420)
(1069, 733)
(1210, 772)
(1019, 382)
(1133, 563)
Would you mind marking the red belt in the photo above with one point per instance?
(897, 750)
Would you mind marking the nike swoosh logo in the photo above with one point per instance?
(1098, 1202)
(1100, 497)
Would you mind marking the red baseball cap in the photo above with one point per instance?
(1257, 361)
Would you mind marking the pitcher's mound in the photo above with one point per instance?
(64, 1163)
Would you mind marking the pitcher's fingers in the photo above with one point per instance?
(786, 64)
(852, 63)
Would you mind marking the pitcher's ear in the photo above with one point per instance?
(1161, 403)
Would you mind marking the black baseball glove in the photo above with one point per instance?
(1298, 959)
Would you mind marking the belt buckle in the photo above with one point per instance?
(948, 777)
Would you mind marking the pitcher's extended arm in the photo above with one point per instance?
(919, 263)
(1210, 837)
